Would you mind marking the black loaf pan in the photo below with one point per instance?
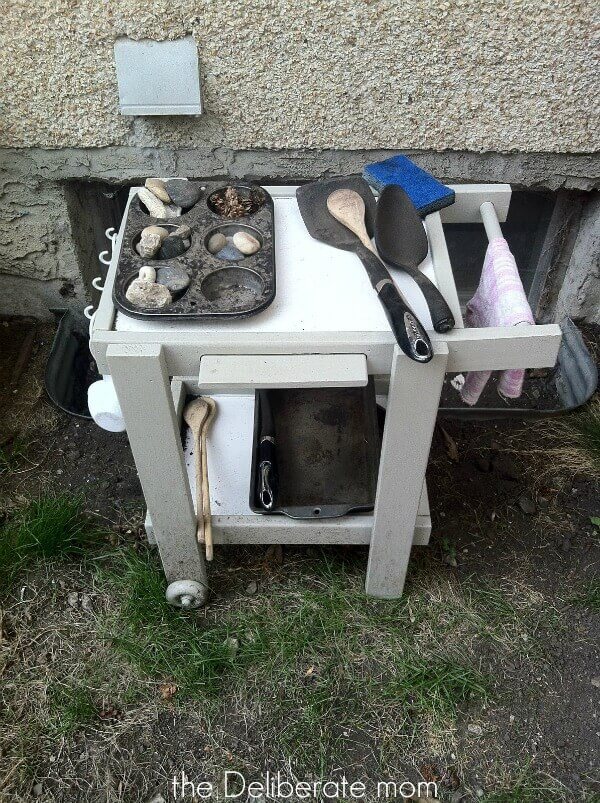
(219, 288)
(328, 448)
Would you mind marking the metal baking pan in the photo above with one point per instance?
(327, 445)
(219, 288)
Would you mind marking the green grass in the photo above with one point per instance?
(70, 708)
(436, 686)
(589, 595)
(491, 602)
(49, 527)
(321, 650)
(166, 643)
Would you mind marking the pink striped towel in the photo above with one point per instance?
(498, 301)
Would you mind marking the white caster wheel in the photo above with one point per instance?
(187, 594)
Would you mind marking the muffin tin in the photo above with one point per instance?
(219, 288)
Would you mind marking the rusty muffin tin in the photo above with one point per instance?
(219, 288)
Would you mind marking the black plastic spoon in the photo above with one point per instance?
(402, 242)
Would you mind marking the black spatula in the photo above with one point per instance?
(312, 201)
(402, 242)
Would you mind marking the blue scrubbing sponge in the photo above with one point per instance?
(426, 192)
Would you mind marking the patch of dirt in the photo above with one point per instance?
(60, 452)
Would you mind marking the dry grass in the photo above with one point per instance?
(567, 444)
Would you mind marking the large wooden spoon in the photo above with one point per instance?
(195, 414)
(208, 540)
(347, 207)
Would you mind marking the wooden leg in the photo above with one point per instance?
(411, 412)
(141, 380)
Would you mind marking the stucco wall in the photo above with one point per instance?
(498, 75)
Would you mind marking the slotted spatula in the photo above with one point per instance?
(312, 202)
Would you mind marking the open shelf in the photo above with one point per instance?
(229, 451)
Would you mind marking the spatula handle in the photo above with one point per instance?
(408, 330)
(441, 314)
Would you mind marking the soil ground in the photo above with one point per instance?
(484, 678)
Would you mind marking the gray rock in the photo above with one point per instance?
(148, 294)
(232, 645)
(86, 603)
(246, 243)
(175, 279)
(184, 193)
(72, 599)
(476, 730)
(182, 231)
(172, 247)
(216, 242)
(157, 186)
(155, 207)
(37, 790)
(527, 505)
(252, 588)
(172, 211)
(149, 244)
(230, 252)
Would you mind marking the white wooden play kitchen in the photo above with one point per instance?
(325, 328)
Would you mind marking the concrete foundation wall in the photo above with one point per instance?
(580, 294)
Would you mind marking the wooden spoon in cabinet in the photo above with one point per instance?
(195, 415)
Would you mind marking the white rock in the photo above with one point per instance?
(173, 211)
(147, 273)
(157, 186)
(246, 243)
(155, 207)
(160, 230)
(148, 294)
(149, 244)
(216, 242)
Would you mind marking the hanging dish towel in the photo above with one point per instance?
(499, 301)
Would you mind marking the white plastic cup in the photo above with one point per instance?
(104, 405)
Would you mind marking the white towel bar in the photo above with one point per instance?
(490, 220)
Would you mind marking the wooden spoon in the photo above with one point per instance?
(212, 409)
(195, 414)
(347, 207)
